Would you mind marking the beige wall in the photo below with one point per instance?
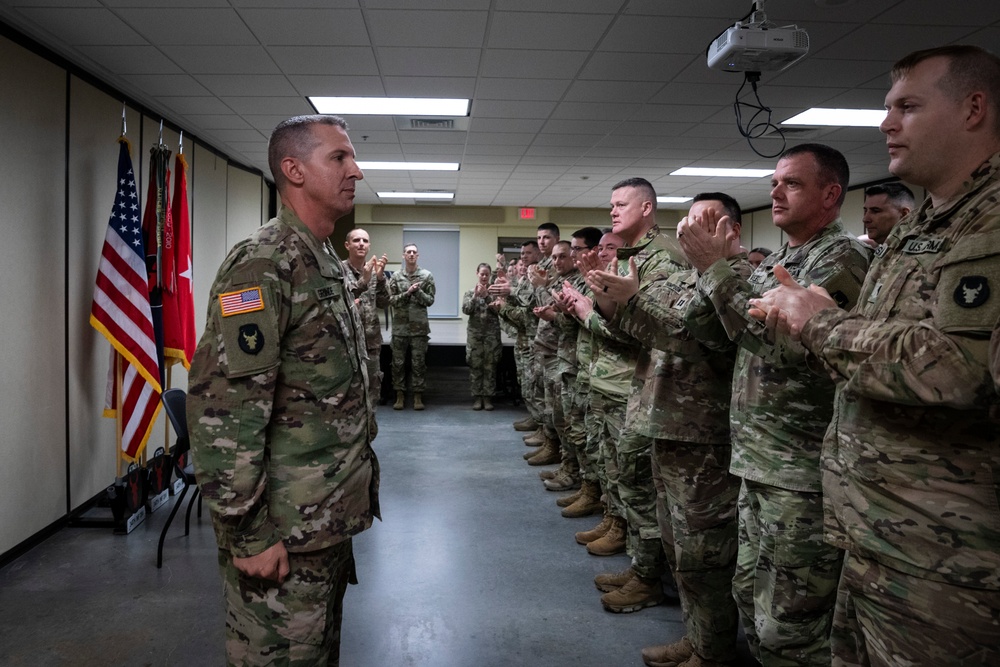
(57, 182)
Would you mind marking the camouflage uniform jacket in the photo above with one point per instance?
(483, 320)
(655, 254)
(369, 299)
(688, 393)
(568, 327)
(277, 399)
(613, 359)
(409, 311)
(517, 309)
(780, 409)
(547, 333)
(911, 466)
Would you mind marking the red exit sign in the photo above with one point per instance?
(526, 213)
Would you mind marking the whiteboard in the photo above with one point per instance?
(438, 247)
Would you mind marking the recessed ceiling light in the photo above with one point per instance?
(838, 117)
(391, 106)
(409, 166)
(724, 173)
(673, 200)
(416, 195)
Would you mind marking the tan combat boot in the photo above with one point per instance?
(548, 454)
(477, 404)
(566, 479)
(588, 504)
(638, 593)
(697, 661)
(532, 453)
(611, 542)
(587, 536)
(535, 438)
(526, 424)
(668, 655)
(487, 404)
(418, 401)
(400, 398)
(612, 581)
(566, 501)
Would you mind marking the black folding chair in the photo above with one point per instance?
(174, 402)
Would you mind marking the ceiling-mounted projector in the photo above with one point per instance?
(757, 46)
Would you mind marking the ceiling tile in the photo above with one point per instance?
(188, 25)
(428, 28)
(307, 27)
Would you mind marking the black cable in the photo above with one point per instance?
(755, 129)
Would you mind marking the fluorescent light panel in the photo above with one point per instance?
(673, 200)
(838, 117)
(416, 195)
(391, 106)
(723, 173)
(409, 166)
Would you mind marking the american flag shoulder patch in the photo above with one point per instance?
(242, 301)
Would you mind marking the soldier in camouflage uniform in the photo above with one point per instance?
(371, 294)
(613, 359)
(411, 293)
(514, 307)
(582, 427)
(279, 414)
(649, 253)
(482, 346)
(910, 463)
(561, 386)
(687, 403)
(786, 576)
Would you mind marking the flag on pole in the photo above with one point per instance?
(153, 220)
(121, 312)
(178, 295)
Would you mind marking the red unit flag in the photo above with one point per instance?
(178, 292)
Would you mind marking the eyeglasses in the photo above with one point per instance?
(574, 248)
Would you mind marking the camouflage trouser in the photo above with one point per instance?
(610, 415)
(887, 617)
(638, 495)
(547, 366)
(482, 353)
(571, 435)
(786, 575)
(296, 623)
(523, 359)
(696, 510)
(417, 346)
(374, 386)
(579, 428)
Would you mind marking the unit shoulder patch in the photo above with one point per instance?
(972, 291)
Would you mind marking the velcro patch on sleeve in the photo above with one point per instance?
(242, 301)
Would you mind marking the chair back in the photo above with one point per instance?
(175, 403)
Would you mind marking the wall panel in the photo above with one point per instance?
(33, 273)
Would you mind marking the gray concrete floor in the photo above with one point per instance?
(472, 565)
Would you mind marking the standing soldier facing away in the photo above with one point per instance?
(279, 411)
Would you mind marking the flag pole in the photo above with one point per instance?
(119, 426)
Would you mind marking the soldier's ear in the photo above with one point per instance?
(291, 167)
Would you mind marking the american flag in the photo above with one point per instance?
(121, 312)
(244, 301)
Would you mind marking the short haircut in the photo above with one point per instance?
(563, 242)
(762, 250)
(639, 184)
(832, 165)
(896, 192)
(411, 245)
(356, 229)
(729, 204)
(294, 137)
(549, 227)
(970, 69)
(590, 235)
(533, 244)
